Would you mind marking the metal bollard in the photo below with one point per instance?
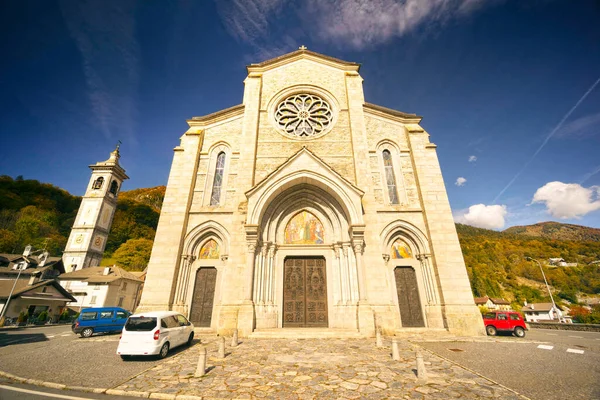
(378, 337)
(421, 371)
(222, 347)
(395, 350)
(234, 339)
(201, 368)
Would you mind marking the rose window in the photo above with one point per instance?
(303, 115)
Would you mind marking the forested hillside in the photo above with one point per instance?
(42, 215)
(556, 230)
(497, 267)
(36, 213)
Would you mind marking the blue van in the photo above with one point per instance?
(100, 320)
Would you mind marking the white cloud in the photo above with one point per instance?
(482, 216)
(354, 23)
(568, 200)
(460, 181)
(472, 158)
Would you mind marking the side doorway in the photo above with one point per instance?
(203, 297)
(409, 300)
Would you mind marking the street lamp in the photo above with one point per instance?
(27, 252)
(555, 309)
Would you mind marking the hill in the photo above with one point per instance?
(152, 197)
(556, 230)
(497, 266)
(42, 215)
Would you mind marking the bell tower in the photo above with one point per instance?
(89, 232)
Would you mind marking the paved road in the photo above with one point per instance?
(546, 365)
(76, 361)
(10, 390)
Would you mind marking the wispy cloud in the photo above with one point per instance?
(106, 31)
(348, 23)
(472, 158)
(589, 175)
(460, 181)
(588, 125)
(548, 137)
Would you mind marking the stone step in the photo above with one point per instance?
(305, 333)
(411, 333)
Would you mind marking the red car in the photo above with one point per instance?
(504, 321)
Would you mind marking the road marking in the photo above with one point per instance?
(50, 337)
(58, 396)
(575, 351)
(552, 334)
(543, 346)
(578, 337)
(66, 334)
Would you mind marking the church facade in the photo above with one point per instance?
(307, 207)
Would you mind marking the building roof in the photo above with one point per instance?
(22, 287)
(8, 261)
(302, 52)
(96, 275)
(535, 307)
(484, 299)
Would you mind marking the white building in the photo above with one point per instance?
(536, 312)
(102, 287)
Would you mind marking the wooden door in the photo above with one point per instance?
(203, 297)
(304, 293)
(408, 297)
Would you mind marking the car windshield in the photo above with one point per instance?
(489, 316)
(140, 324)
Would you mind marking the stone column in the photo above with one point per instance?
(250, 257)
(270, 296)
(362, 288)
(340, 281)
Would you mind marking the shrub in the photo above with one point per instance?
(43, 316)
(23, 316)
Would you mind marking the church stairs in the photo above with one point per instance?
(305, 333)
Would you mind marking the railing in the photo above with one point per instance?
(564, 327)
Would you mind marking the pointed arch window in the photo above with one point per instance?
(215, 197)
(390, 178)
(98, 183)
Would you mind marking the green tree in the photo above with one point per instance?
(134, 254)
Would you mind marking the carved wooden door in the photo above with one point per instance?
(203, 297)
(408, 297)
(304, 293)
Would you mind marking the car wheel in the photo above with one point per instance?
(87, 332)
(164, 350)
(190, 339)
(519, 332)
(491, 331)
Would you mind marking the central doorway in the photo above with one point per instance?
(203, 297)
(304, 293)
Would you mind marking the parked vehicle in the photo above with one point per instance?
(154, 333)
(504, 321)
(100, 320)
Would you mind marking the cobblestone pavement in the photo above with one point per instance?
(313, 369)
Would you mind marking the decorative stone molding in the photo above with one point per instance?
(386, 258)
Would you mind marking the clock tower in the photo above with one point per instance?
(89, 233)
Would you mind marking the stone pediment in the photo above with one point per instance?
(305, 168)
(302, 54)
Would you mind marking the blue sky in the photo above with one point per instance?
(509, 90)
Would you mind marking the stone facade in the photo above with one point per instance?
(365, 179)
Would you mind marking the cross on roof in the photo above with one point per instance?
(303, 47)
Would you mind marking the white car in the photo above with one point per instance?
(154, 333)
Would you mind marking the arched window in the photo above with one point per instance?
(390, 178)
(98, 183)
(114, 187)
(215, 197)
